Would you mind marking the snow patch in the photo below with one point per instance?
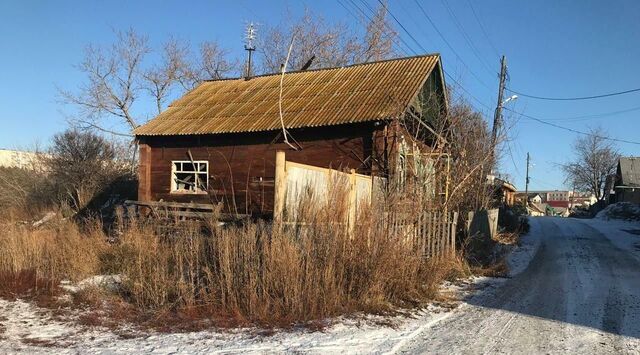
(519, 258)
(108, 282)
(622, 210)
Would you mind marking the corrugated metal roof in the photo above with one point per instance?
(357, 93)
(630, 171)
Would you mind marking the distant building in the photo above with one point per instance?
(504, 191)
(627, 180)
(560, 208)
(559, 195)
(17, 159)
(537, 209)
(532, 197)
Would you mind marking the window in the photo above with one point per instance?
(189, 177)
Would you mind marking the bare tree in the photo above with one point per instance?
(379, 38)
(330, 44)
(595, 158)
(117, 77)
(470, 147)
(214, 61)
(160, 78)
(112, 81)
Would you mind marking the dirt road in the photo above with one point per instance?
(579, 294)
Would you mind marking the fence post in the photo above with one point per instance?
(352, 201)
(280, 187)
(454, 229)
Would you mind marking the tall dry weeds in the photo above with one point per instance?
(60, 251)
(256, 272)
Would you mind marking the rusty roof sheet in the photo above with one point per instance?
(324, 97)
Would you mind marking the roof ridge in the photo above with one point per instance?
(435, 54)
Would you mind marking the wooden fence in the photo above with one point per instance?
(294, 181)
(432, 233)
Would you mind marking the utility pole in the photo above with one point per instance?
(526, 189)
(497, 118)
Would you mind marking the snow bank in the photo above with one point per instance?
(519, 258)
(30, 329)
(621, 210)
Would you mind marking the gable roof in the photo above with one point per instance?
(629, 171)
(540, 207)
(357, 93)
(558, 204)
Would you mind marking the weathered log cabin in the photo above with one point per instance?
(218, 142)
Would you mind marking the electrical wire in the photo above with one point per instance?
(362, 11)
(595, 115)
(484, 31)
(571, 129)
(467, 38)
(444, 39)
(572, 98)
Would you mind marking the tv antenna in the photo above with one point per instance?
(249, 45)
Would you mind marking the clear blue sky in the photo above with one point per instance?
(554, 48)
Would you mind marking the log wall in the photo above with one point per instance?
(242, 166)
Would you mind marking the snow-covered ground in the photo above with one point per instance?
(579, 294)
(25, 328)
(574, 286)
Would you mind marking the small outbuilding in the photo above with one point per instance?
(627, 180)
(218, 142)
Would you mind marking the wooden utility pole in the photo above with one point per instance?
(497, 118)
(526, 189)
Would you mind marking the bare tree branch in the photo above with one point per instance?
(595, 159)
(112, 79)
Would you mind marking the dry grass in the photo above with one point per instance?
(33, 261)
(196, 276)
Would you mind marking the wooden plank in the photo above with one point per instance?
(280, 186)
(163, 204)
(192, 214)
(454, 229)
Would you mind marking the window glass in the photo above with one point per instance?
(190, 177)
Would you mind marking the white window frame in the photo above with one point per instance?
(177, 167)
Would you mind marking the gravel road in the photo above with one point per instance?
(579, 294)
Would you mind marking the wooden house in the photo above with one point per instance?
(627, 180)
(218, 142)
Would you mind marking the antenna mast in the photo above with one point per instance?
(249, 46)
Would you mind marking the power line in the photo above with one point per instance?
(362, 11)
(466, 37)
(573, 98)
(483, 29)
(424, 12)
(571, 129)
(402, 26)
(595, 115)
(543, 183)
(364, 14)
